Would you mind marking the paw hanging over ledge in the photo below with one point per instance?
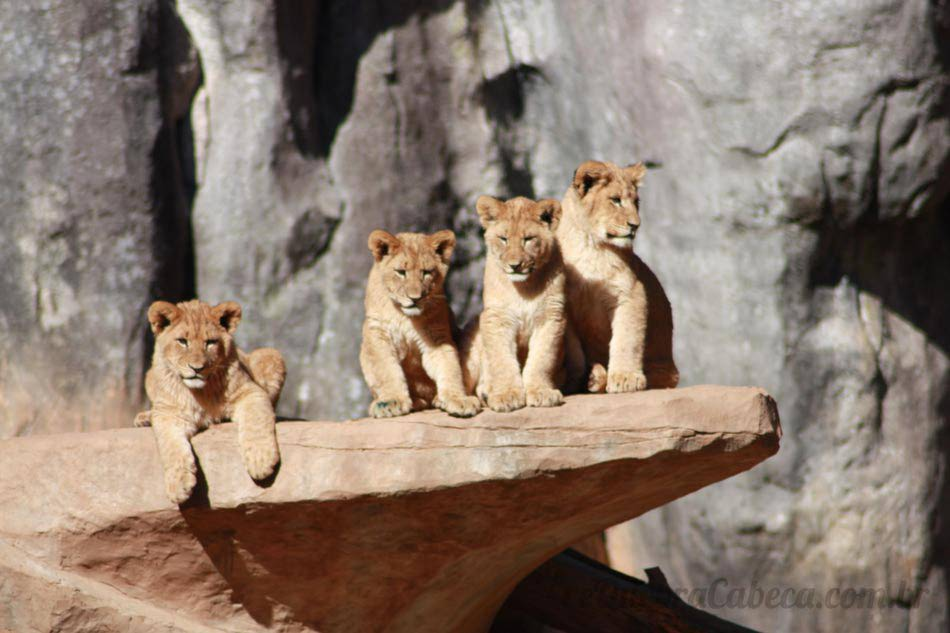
(426, 522)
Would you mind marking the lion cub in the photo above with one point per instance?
(199, 377)
(617, 306)
(512, 354)
(408, 356)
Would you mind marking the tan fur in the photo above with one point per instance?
(408, 355)
(199, 377)
(512, 354)
(617, 306)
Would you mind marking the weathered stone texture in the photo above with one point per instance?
(424, 523)
(83, 234)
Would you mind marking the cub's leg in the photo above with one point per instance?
(268, 370)
(257, 432)
(573, 376)
(628, 337)
(470, 356)
(662, 375)
(658, 363)
(545, 356)
(142, 418)
(421, 388)
(504, 389)
(441, 362)
(172, 433)
(384, 375)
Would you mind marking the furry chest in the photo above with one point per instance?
(405, 341)
(211, 411)
(602, 268)
(528, 319)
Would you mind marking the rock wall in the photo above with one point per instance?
(797, 212)
(93, 212)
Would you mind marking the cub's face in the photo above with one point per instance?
(611, 201)
(519, 233)
(412, 266)
(193, 339)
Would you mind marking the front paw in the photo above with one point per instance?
(180, 482)
(420, 404)
(390, 407)
(597, 379)
(143, 418)
(459, 405)
(544, 397)
(261, 460)
(625, 381)
(506, 399)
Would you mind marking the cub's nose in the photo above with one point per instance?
(516, 267)
(196, 368)
(633, 227)
(414, 296)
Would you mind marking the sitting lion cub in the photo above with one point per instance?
(617, 307)
(512, 354)
(199, 377)
(408, 356)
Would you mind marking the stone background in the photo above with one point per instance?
(797, 212)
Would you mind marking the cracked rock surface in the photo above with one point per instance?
(424, 523)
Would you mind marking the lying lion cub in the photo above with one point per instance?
(408, 356)
(199, 377)
(512, 354)
(617, 307)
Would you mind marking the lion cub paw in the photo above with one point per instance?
(390, 407)
(544, 397)
(626, 381)
(260, 460)
(420, 404)
(143, 418)
(506, 400)
(459, 405)
(597, 380)
(179, 483)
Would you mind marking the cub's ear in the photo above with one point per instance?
(588, 174)
(228, 314)
(549, 212)
(636, 173)
(489, 210)
(161, 314)
(444, 243)
(382, 244)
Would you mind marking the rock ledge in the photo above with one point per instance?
(421, 523)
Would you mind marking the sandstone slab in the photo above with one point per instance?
(424, 523)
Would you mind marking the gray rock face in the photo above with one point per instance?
(803, 241)
(797, 215)
(89, 212)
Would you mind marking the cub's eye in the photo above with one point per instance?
(427, 273)
(615, 201)
(211, 342)
(504, 240)
(528, 239)
(401, 272)
(183, 342)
